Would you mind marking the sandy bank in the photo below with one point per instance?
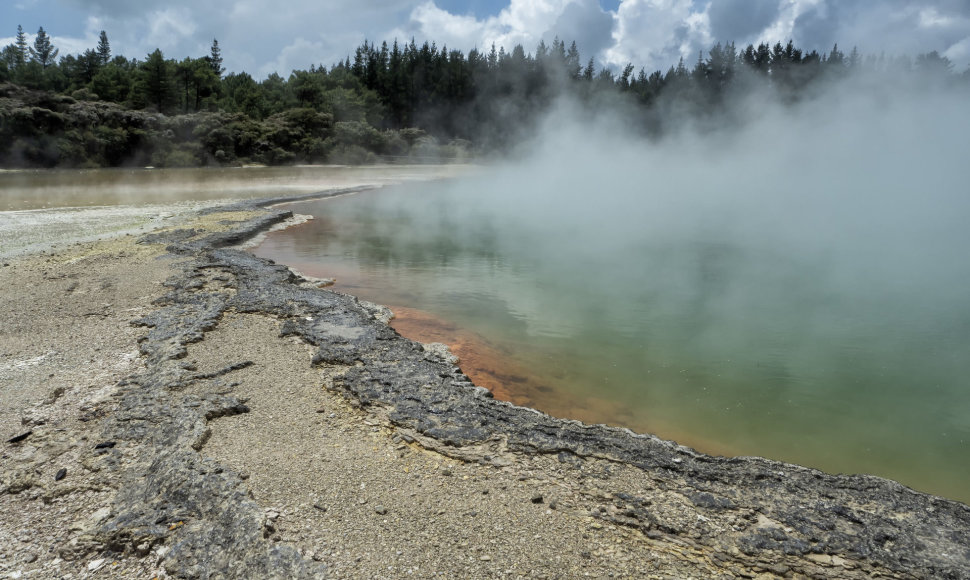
(253, 425)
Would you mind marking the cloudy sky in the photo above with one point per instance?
(263, 36)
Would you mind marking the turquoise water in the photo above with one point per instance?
(839, 345)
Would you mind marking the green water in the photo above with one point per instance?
(850, 354)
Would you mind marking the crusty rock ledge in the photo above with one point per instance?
(732, 517)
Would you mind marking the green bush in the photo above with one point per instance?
(84, 94)
(357, 133)
(425, 150)
(47, 129)
(309, 121)
(395, 145)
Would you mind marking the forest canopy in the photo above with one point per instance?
(397, 102)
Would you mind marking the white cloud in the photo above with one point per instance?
(68, 45)
(655, 33)
(427, 21)
(781, 28)
(959, 52)
(292, 57)
(586, 23)
(931, 18)
(170, 24)
(523, 22)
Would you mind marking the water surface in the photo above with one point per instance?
(45, 189)
(723, 338)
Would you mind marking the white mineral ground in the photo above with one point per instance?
(337, 484)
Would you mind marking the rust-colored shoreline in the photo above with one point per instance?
(489, 365)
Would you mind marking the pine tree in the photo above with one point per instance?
(542, 51)
(156, 86)
(104, 49)
(215, 58)
(933, 63)
(80, 70)
(792, 55)
(681, 71)
(306, 87)
(20, 47)
(700, 70)
(762, 58)
(43, 51)
(558, 50)
(836, 57)
(854, 58)
(573, 66)
(114, 81)
(625, 77)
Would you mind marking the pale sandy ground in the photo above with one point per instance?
(65, 343)
(337, 483)
(35, 231)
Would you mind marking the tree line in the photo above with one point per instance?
(399, 101)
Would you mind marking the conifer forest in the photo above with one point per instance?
(387, 102)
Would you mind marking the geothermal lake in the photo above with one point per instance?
(838, 344)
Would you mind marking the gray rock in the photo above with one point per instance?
(441, 352)
(21, 437)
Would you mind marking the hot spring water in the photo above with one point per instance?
(730, 340)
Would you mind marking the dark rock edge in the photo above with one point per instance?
(205, 523)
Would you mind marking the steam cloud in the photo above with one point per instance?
(790, 282)
(824, 241)
(865, 185)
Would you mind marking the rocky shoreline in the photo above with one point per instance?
(177, 481)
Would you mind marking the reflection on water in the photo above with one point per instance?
(719, 341)
(25, 190)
